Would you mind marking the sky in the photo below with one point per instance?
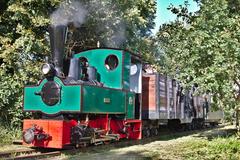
(165, 16)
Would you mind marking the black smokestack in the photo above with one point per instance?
(57, 41)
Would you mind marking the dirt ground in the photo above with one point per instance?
(168, 147)
(164, 147)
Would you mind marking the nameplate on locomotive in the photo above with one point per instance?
(106, 100)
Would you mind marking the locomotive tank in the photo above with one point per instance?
(92, 102)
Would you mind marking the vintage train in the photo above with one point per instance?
(106, 95)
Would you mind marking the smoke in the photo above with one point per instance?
(119, 36)
(111, 26)
(105, 19)
(69, 12)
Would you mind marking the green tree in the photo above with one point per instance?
(122, 24)
(203, 48)
(23, 26)
(24, 41)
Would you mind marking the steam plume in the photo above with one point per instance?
(69, 12)
(107, 17)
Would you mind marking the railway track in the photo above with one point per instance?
(29, 153)
(36, 153)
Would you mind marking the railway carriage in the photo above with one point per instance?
(165, 103)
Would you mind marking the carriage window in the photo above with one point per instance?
(111, 62)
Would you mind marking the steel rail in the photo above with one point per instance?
(36, 156)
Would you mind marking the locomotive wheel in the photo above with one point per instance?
(188, 127)
(85, 144)
(154, 131)
(146, 132)
(193, 125)
(106, 142)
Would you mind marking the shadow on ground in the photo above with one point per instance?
(118, 150)
(216, 133)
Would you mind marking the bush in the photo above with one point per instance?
(7, 135)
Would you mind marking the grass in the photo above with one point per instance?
(217, 149)
(8, 134)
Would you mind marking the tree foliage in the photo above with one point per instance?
(204, 48)
(121, 24)
(24, 41)
(22, 48)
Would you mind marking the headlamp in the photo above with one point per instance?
(47, 69)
